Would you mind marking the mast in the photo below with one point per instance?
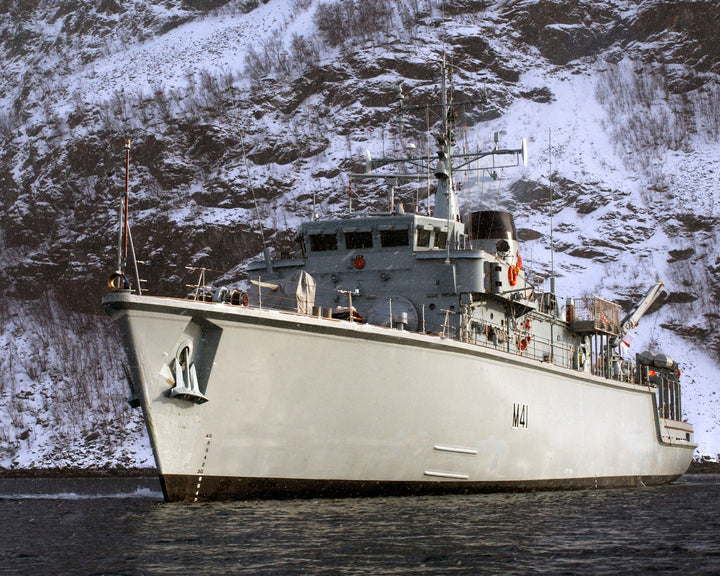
(118, 280)
(446, 200)
(552, 246)
(122, 259)
(446, 204)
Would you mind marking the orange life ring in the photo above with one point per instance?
(359, 262)
(513, 275)
(245, 300)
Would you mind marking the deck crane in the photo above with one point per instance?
(633, 317)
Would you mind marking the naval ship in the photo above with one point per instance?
(396, 354)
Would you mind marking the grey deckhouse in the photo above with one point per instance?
(433, 274)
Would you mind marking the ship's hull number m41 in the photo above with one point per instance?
(520, 415)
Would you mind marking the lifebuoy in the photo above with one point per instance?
(118, 281)
(359, 262)
(523, 343)
(527, 324)
(513, 275)
(245, 300)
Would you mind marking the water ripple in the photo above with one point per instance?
(102, 530)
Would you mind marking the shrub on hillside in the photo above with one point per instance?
(340, 21)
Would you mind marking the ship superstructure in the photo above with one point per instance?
(398, 353)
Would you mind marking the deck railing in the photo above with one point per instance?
(592, 315)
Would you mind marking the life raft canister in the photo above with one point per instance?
(359, 262)
(239, 298)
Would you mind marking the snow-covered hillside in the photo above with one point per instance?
(619, 101)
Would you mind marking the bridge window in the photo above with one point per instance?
(323, 242)
(358, 240)
(391, 238)
(423, 238)
(440, 238)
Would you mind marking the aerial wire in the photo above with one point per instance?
(266, 249)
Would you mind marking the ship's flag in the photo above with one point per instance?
(625, 345)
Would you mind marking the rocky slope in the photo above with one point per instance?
(296, 90)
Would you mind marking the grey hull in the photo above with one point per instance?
(295, 406)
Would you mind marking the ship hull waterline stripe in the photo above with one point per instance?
(186, 488)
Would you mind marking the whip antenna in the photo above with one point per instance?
(552, 246)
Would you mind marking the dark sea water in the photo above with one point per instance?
(121, 526)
